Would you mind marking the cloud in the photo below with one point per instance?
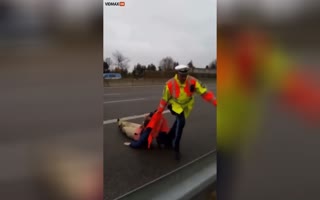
(146, 31)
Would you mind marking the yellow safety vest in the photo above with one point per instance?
(180, 95)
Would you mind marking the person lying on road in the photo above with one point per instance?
(154, 126)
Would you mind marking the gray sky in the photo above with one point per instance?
(147, 31)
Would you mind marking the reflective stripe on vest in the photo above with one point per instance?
(190, 81)
(173, 88)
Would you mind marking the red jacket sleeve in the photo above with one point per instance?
(209, 97)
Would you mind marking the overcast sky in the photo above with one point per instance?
(146, 31)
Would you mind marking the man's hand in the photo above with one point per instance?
(158, 112)
(214, 102)
(126, 143)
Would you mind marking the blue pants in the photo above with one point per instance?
(143, 140)
(176, 131)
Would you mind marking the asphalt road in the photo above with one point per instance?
(126, 169)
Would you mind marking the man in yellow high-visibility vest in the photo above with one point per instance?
(178, 96)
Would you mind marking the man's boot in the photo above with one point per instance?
(159, 144)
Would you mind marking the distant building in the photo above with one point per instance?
(203, 71)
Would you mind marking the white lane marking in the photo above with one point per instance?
(124, 100)
(126, 86)
(111, 121)
(111, 94)
(138, 86)
(135, 94)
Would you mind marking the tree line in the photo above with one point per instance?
(166, 64)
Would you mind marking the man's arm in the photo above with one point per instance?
(206, 95)
(145, 121)
(164, 100)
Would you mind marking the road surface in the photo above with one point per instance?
(125, 168)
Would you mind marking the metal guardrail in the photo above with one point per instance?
(143, 82)
(181, 184)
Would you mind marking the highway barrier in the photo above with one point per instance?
(184, 183)
(142, 82)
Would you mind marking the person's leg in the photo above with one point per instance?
(171, 133)
(129, 131)
(134, 125)
(176, 131)
(143, 140)
(121, 122)
(128, 128)
(164, 139)
(180, 119)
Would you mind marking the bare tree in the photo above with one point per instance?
(108, 61)
(190, 65)
(166, 64)
(139, 70)
(151, 67)
(121, 60)
(213, 65)
(106, 65)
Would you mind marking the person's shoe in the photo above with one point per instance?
(168, 146)
(159, 145)
(177, 156)
(119, 123)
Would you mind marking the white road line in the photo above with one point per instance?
(128, 86)
(111, 121)
(137, 86)
(124, 100)
(111, 94)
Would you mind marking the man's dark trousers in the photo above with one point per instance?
(176, 130)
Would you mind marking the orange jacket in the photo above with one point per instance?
(301, 93)
(157, 124)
